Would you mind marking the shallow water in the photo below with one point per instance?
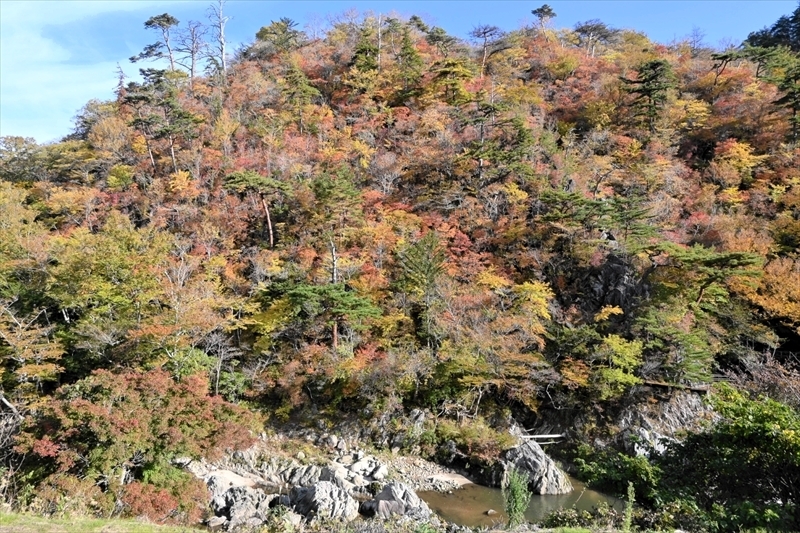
(468, 505)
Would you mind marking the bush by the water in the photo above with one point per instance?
(516, 496)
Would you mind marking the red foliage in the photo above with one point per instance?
(143, 500)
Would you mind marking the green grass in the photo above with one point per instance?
(23, 523)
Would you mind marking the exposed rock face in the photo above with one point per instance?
(646, 427)
(323, 500)
(244, 487)
(397, 499)
(246, 507)
(237, 506)
(219, 483)
(544, 475)
(302, 476)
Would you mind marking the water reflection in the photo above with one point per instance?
(468, 506)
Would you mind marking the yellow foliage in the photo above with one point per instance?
(689, 114)
(523, 94)
(731, 196)
(139, 144)
(575, 373)
(514, 194)
(563, 65)
(364, 152)
(182, 185)
(598, 113)
(110, 135)
(607, 312)
(490, 278)
(393, 323)
(274, 317)
(778, 293)
(740, 156)
(225, 126)
(535, 297)
(120, 177)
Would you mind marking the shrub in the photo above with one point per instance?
(110, 429)
(611, 471)
(475, 438)
(516, 496)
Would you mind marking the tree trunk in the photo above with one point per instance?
(172, 153)
(380, 40)
(269, 222)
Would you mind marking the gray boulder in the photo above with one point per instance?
(246, 507)
(323, 500)
(336, 474)
(397, 499)
(219, 483)
(543, 474)
(302, 476)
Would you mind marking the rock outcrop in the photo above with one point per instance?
(245, 486)
(323, 500)
(397, 499)
(545, 477)
(237, 506)
(648, 426)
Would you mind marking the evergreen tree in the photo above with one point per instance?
(785, 32)
(365, 55)
(650, 88)
(297, 91)
(282, 35)
(544, 14)
(164, 49)
(409, 61)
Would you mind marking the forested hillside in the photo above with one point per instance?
(537, 224)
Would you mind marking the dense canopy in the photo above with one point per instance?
(386, 216)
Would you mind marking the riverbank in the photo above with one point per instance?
(24, 523)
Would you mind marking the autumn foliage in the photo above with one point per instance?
(540, 222)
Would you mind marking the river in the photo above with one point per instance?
(468, 505)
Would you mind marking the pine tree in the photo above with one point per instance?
(650, 89)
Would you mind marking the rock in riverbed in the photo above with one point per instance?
(544, 476)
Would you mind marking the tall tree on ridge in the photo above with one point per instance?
(162, 23)
(218, 22)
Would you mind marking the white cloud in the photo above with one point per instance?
(40, 89)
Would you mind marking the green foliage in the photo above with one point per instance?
(298, 92)
(120, 177)
(334, 301)
(249, 181)
(627, 519)
(745, 468)
(410, 62)
(602, 518)
(28, 523)
(784, 32)
(423, 264)
(619, 359)
(102, 283)
(612, 471)
(20, 159)
(365, 55)
(282, 35)
(650, 89)
(516, 495)
(449, 77)
(475, 438)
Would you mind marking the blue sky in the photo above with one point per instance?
(57, 55)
